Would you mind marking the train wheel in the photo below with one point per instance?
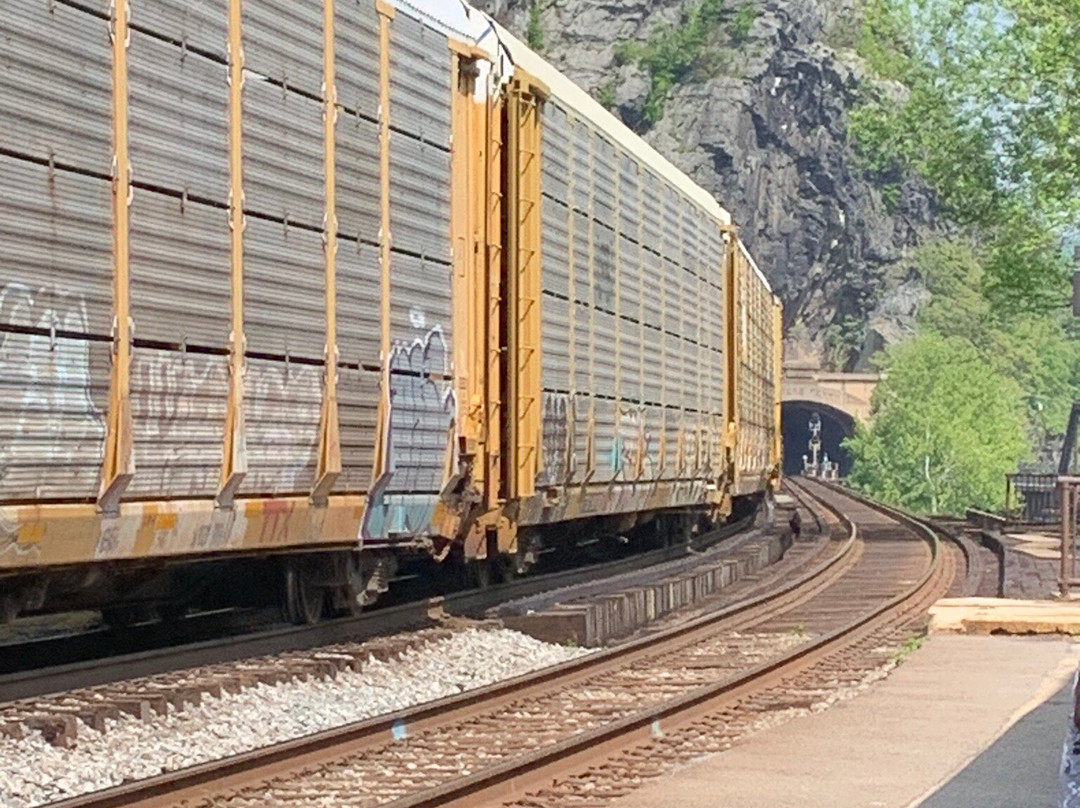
(303, 600)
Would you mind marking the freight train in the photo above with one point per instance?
(291, 290)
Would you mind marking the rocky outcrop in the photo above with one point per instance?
(764, 128)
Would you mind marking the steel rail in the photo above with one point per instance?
(35, 683)
(514, 778)
(204, 779)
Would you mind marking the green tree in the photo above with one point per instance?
(982, 99)
(534, 31)
(1035, 350)
(946, 428)
(672, 54)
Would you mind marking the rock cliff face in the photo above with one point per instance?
(764, 128)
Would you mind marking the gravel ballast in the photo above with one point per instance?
(34, 772)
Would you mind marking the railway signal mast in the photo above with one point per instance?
(812, 469)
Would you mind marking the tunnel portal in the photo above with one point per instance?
(835, 426)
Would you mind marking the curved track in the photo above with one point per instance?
(505, 741)
(34, 680)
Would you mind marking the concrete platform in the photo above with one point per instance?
(952, 727)
(597, 619)
(1005, 616)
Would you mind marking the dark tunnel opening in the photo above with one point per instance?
(835, 426)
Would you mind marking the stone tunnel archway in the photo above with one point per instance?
(840, 399)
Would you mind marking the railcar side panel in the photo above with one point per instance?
(755, 390)
(646, 375)
(226, 267)
(312, 274)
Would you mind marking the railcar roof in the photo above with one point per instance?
(458, 19)
(585, 106)
(753, 263)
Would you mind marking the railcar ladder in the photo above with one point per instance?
(523, 275)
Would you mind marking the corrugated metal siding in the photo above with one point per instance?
(605, 169)
(421, 413)
(629, 360)
(56, 84)
(179, 119)
(180, 282)
(652, 212)
(178, 403)
(581, 160)
(652, 287)
(283, 401)
(555, 248)
(420, 80)
(202, 24)
(582, 274)
(583, 350)
(689, 256)
(672, 428)
(580, 404)
(629, 207)
(555, 460)
(283, 40)
(603, 268)
(358, 403)
(754, 395)
(555, 152)
(629, 279)
(283, 154)
(55, 249)
(653, 427)
(53, 410)
(673, 296)
(420, 197)
(607, 454)
(421, 306)
(653, 350)
(555, 353)
(284, 290)
(673, 370)
(359, 323)
(604, 356)
(357, 178)
(356, 50)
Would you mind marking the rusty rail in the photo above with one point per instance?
(510, 777)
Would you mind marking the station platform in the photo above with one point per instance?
(1005, 616)
(967, 721)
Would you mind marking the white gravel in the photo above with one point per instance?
(33, 772)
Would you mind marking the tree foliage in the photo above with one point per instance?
(1036, 351)
(946, 429)
(673, 54)
(534, 31)
(982, 99)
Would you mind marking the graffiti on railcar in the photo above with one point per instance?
(47, 395)
(422, 414)
(283, 401)
(178, 406)
(604, 268)
(631, 453)
(556, 461)
(10, 547)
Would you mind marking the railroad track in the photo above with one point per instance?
(606, 719)
(39, 681)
